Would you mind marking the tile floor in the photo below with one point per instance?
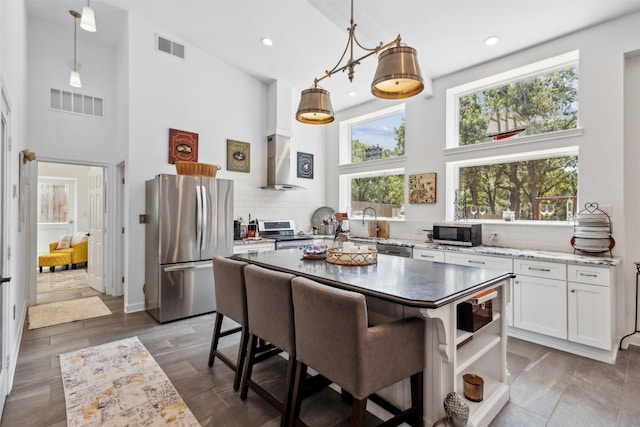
(549, 387)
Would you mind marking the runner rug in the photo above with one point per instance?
(120, 384)
(56, 313)
(62, 280)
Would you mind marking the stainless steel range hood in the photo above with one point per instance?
(279, 164)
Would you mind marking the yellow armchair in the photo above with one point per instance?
(79, 252)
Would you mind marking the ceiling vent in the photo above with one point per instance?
(167, 46)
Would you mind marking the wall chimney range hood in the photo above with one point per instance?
(279, 164)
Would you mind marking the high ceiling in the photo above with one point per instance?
(309, 36)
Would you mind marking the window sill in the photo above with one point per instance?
(517, 141)
(373, 164)
(523, 222)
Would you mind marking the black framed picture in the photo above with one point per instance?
(305, 165)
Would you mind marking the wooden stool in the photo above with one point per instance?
(51, 260)
(333, 338)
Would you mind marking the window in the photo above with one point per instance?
(372, 163)
(533, 189)
(72, 102)
(517, 180)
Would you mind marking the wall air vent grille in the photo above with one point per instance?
(71, 102)
(167, 46)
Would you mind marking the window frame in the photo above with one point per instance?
(520, 148)
(379, 167)
(453, 95)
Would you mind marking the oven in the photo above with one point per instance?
(283, 232)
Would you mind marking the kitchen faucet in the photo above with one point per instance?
(375, 215)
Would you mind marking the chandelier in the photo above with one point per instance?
(397, 76)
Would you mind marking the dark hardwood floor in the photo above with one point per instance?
(549, 387)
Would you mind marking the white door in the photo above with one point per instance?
(96, 233)
(4, 226)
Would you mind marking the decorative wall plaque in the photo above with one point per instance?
(422, 188)
(183, 146)
(238, 156)
(305, 165)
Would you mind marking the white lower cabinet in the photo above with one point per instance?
(590, 307)
(540, 305)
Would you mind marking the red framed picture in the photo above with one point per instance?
(183, 146)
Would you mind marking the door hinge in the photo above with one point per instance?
(122, 230)
(9, 252)
(122, 279)
(122, 181)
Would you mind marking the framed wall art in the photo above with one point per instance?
(183, 146)
(422, 188)
(305, 165)
(238, 156)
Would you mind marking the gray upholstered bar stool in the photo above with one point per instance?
(333, 338)
(231, 301)
(270, 315)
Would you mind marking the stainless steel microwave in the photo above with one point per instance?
(458, 233)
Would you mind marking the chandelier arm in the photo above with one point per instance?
(353, 61)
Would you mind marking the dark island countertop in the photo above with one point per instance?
(407, 281)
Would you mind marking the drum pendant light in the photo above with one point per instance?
(315, 107)
(397, 76)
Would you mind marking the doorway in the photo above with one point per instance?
(70, 217)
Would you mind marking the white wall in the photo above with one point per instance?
(61, 135)
(13, 71)
(602, 145)
(201, 94)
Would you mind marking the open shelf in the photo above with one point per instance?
(463, 335)
(475, 349)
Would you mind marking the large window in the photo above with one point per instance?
(516, 179)
(535, 189)
(372, 163)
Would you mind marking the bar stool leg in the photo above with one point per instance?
(216, 336)
(248, 367)
(358, 412)
(242, 354)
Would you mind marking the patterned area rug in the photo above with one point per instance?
(62, 280)
(120, 384)
(66, 311)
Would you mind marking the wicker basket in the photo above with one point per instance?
(197, 169)
(337, 256)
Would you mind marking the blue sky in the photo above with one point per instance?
(378, 132)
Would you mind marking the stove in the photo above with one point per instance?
(283, 232)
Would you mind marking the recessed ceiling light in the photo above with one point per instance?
(351, 93)
(491, 41)
(266, 41)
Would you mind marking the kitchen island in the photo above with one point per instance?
(403, 287)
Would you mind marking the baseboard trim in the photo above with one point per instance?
(133, 308)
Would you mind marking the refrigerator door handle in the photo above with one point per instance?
(205, 216)
(186, 266)
(199, 217)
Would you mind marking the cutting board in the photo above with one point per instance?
(383, 229)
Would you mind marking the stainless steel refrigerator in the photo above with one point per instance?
(188, 220)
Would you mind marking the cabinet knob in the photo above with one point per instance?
(572, 291)
(517, 282)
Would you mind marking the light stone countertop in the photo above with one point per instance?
(569, 258)
(252, 241)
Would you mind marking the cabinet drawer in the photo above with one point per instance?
(591, 275)
(252, 248)
(428, 255)
(549, 270)
(484, 261)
